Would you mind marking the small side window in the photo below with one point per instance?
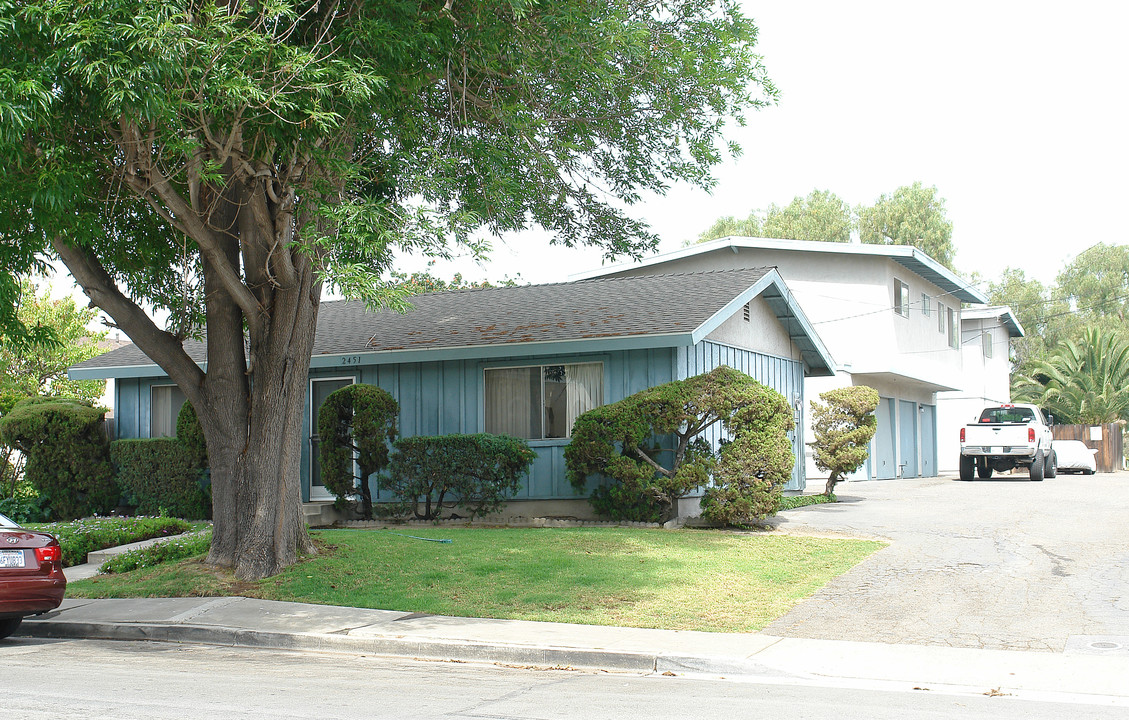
(901, 298)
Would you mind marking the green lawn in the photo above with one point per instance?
(683, 580)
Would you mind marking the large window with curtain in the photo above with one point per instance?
(164, 406)
(541, 402)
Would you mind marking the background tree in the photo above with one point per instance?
(843, 425)
(911, 215)
(732, 227)
(224, 161)
(39, 366)
(1096, 283)
(424, 281)
(822, 216)
(1043, 315)
(356, 423)
(1083, 381)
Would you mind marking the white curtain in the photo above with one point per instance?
(510, 405)
(163, 409)
(585, 384)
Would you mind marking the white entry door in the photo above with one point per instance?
(320, 388)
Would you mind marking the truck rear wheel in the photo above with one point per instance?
(1052, 465)
(984, 470)
(967, 467)
(1037, 468)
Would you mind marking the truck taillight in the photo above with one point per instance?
(962, 434)
(1031, 435)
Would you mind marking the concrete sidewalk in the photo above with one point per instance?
(292, 626)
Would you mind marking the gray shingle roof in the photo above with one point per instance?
(601, 308)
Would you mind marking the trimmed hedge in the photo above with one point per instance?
(161, 477)
(68, 456)
(477, 473)
(191, 435)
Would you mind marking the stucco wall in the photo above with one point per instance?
(761, 332)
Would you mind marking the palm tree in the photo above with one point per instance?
(1081, 382)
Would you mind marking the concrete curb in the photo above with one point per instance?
(417, 648)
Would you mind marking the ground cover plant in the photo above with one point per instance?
(178, 548)
(81, 537)
(687, 580)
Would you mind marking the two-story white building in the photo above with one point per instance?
(986, 334)
(889, 315)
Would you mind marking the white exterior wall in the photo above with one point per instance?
(761, 332)
(986, 381)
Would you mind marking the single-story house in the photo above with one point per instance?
(524, 361)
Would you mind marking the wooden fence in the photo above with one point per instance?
(1109, 442)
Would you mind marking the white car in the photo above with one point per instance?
(1075, 457)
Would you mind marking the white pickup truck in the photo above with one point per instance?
(1007, 436)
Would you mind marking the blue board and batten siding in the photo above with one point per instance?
(783, 375)
(446, 397)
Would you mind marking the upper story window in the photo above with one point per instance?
(541, 401)
(941, 311)
(925, 304)
(901, 298)
(164, 406)
(954, 333)
(986, 337)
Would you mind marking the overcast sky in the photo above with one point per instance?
(1015, 111)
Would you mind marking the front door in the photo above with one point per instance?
(320, 388)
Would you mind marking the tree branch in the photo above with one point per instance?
(647, 459)
(163, 347)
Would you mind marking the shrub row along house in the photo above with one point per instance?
(524, 361)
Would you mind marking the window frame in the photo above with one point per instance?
(314, 440)
(901, 298)
(925, 304)
(152, 388)
(986, 342)
(941, 310)
(953, 323)
(542, 440)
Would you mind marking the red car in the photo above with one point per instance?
(31, 574)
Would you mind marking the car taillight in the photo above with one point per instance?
(1030, 434)
(51, 553)
(962, 434)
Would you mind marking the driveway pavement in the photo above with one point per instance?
(1003, 564)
